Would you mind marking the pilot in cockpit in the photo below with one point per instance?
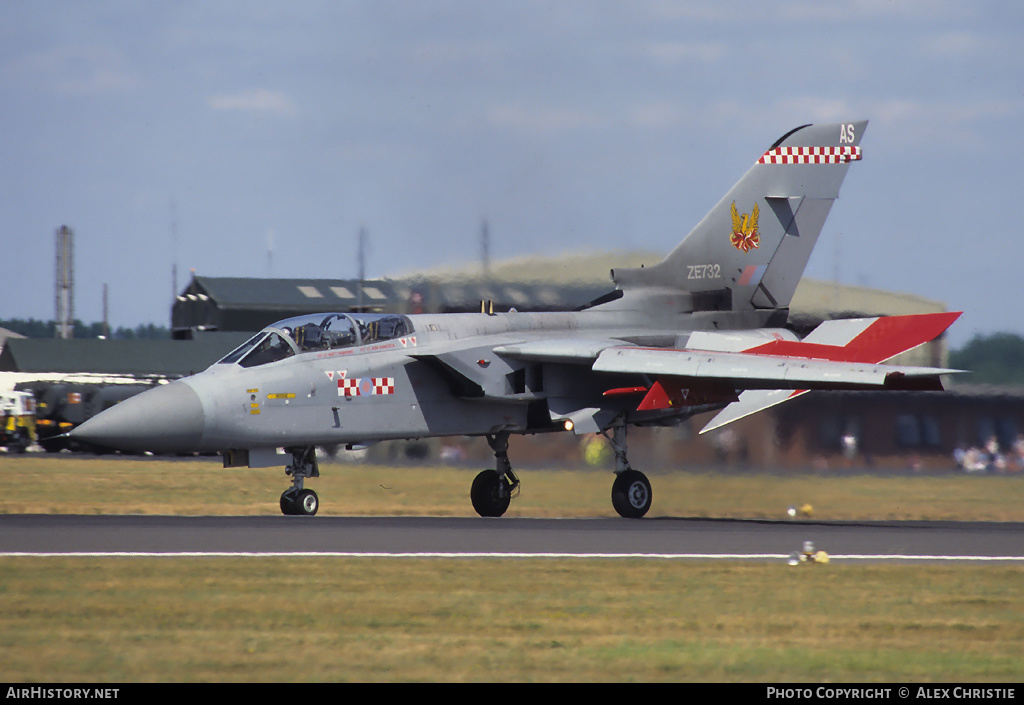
(308, 337)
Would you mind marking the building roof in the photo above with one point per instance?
(832, 300)
(526, 284)
(244, 304)
(5, 334)
(542, 283)
(285, 294)
(171, 358)
(579, 269)
(332, 294)
(812, 298)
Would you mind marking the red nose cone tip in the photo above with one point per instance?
(165, 419)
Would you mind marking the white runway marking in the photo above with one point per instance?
(431, 554)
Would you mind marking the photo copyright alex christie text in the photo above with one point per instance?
(925, 692)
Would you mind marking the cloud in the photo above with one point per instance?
(257, 100)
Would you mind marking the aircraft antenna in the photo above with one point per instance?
(106, 313)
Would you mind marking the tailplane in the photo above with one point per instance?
(750, 251)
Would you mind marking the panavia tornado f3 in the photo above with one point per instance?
(703, 330)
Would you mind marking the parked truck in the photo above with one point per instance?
(17, 421)
(62, 405)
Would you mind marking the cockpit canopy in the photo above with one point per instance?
(319, 331)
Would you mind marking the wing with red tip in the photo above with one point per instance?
(838, 355)
(865, 340)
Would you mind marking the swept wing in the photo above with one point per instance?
(724, 368)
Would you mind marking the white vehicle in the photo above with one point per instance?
(17, 421)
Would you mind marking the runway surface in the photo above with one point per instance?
(512, 537)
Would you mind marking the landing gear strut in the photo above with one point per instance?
(631, 491)
(296, 500)
(493, 490)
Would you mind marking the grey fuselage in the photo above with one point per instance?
(442, 379)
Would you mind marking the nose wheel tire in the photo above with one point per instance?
(490, 494)
(301, 503)
(631, 494)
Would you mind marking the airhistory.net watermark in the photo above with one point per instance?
(49, 693)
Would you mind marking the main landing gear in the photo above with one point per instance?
(296, 500)
(493, 490)
(631, 491)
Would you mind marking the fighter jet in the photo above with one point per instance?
(703, 330)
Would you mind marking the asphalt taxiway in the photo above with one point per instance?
(682, 538)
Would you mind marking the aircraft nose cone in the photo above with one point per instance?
(165, 419)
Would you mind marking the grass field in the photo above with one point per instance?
(333, 619)
(305, 619)
(75, 485)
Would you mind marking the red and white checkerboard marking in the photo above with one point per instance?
(348, 387)
(810, 155)
(366, 386)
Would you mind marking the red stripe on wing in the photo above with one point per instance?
(886, 337)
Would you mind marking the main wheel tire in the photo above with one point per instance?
(631, 494)
(489, 494)
(288, 503)
(306, 503)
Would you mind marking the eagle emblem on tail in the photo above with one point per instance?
(744, 229)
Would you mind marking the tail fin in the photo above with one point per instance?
(751, 249)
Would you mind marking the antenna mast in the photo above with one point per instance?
(106, 314)
(64, 314)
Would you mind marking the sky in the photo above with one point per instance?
(247, 138)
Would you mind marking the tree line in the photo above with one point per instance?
(992, 359)
(32, 328)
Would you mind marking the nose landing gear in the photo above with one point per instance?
(298, 501)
